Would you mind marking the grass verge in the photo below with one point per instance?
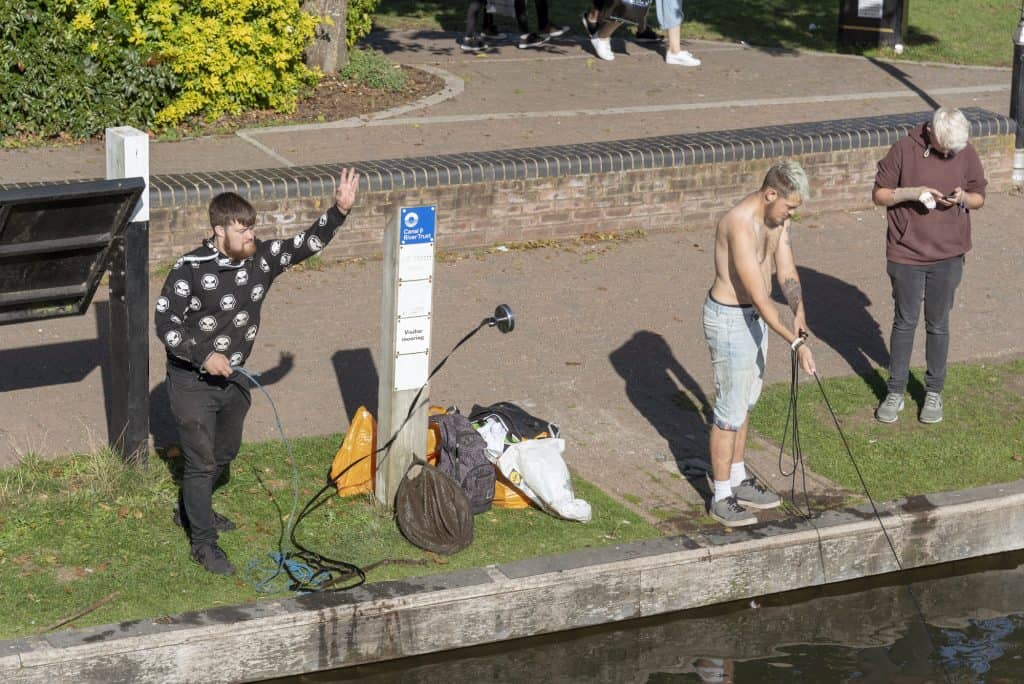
(980, 441)
(74, 531)
(953, 31)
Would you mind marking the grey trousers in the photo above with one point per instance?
(936, 285)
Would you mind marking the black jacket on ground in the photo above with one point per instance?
(210, 303)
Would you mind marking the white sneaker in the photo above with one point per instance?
(603, 48)
(681, 58)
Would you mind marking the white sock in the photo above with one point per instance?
(737, 474)
(723, 490)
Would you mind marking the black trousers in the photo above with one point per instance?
(209, 412)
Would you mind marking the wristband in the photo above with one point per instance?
(797, 343)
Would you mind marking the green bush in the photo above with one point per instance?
(359, 21)
(372, 68)
(56, 78)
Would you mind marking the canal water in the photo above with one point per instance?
(864, 631)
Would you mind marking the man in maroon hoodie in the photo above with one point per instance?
(929, 181)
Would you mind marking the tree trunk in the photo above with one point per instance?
(329, 50)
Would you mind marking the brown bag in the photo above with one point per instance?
(433, 511)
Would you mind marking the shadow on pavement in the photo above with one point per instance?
(653, 380)
(357, 379)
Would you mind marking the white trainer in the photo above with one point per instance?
(681, 58)
(603, 48)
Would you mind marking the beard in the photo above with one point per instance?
(246, 251)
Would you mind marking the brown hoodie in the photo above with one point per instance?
(918, 235)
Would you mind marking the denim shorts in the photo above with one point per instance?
(738, 340)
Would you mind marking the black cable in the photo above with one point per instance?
(867, 492)
(332, 572)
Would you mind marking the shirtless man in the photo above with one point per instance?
(737, 314)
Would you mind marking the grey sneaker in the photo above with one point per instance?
(753, 494)
(889, 410)
(731, 514)
(931, 412)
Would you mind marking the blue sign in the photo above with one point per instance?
(417, 224)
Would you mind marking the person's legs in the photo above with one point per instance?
(907, 291)
(194, 406)
(941, 282)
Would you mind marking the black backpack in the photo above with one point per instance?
(520, 424)
(462, 454)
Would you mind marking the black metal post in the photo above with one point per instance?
(129, 343)
(1017, 99)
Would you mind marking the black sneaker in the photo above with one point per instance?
(554, 31)
(473, 45)
(530, 40)
(213, 559)
(220, 523)
(648, 35)
(492, 33)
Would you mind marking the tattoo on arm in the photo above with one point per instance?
(789, 236)
(791, 290)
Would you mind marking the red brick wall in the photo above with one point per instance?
(688, 198)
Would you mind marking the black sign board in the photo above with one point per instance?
(55, 243)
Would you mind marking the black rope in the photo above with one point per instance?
(329, 574)
(799, 463)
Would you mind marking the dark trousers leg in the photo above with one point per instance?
(474, 20)
(522, 19)
(210, 417)
(941, 281)
(543, 18)
(907, 291)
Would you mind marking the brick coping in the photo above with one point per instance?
(765, 142)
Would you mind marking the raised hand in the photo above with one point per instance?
(348, 184)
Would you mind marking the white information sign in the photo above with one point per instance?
(416, 262)
(414, 298)
(412, 335)
(411, 371)
(869, 9)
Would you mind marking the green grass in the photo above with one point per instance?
(976, 444)
(954, 31)
(372, 68)
(75, 530)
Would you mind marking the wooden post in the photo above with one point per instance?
(404, 344)
(127, 157)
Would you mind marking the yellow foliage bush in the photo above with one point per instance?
(229, 56)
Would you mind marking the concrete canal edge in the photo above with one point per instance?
(525, 598)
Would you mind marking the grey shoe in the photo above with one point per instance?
(753, 494)
(889, 410)
(931, 412)
(730, 513)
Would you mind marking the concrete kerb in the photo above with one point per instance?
(535, 596)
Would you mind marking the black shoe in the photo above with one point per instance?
(473, 44)
(213, 559)
(530, 40)
(220, 523)
(647, 36)
(492, 33)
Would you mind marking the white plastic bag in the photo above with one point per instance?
(536, 468)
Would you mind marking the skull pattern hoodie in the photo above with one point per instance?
(210, 303)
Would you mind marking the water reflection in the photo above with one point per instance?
(867, 631)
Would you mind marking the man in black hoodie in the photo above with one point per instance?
(207, 318)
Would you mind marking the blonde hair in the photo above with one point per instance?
(787, 177)
(950, 128)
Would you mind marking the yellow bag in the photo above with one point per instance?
(506, 495)
(360, 443)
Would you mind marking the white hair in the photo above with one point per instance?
(950, 128)
(787, 177)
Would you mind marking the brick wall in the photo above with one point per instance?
(654, 184)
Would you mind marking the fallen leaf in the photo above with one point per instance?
(1018, 457)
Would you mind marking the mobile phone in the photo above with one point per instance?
(950, 197)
